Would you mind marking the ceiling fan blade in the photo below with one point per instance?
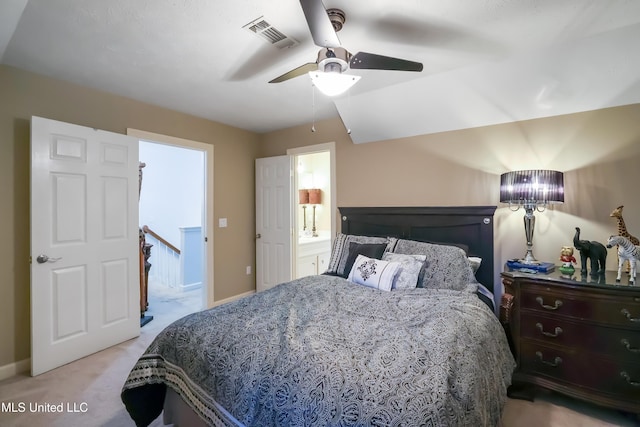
(371, 61)
(303, 69)
(319, 24)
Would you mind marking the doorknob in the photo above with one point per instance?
(43, 258)
(258, 236)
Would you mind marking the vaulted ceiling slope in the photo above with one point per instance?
(484, 62)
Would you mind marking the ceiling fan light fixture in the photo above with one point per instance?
(332, 83)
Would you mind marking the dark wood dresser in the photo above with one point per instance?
(577, 336)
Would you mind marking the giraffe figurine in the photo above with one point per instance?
(622, 229)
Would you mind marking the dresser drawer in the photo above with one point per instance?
(582, 369)
(581, 305)
(617, 343)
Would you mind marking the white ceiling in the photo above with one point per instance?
(485, 62)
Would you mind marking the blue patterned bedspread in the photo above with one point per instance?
(320, 351)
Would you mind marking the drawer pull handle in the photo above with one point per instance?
(629, 380)
(556, 362)
(557, 305)
(627, 345)
(556, 333)
(626, 314)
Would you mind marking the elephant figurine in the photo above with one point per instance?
(593, 250)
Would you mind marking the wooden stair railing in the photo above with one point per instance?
(159, 238)
(145, 266)
(145, 253)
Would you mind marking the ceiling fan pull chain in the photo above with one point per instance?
(349, 107)
(313, 108)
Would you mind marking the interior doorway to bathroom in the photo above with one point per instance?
(314, 208)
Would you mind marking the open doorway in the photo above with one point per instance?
(170, 215)
(280, 214)
(173, 215)
(314, 208)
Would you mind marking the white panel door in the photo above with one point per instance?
(273, 221)
(84, 242)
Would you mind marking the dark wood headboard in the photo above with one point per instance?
(470, 226)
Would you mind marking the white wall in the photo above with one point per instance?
(172, 189)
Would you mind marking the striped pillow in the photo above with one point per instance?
(340, 250)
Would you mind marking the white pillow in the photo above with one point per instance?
(410, 266)
(475, 263)
(373, 273)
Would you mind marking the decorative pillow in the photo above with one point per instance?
(410, 266)
(374, 273)
(340, 250)
(446, 267)
(462, 246)
(371, 250)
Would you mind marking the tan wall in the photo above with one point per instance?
(599, 152)
(23, 95)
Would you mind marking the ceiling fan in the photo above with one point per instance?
(333, 58)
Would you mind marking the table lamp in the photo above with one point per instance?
(531, 190)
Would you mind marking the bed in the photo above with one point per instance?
(327, 351)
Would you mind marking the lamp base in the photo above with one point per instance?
(313, 229)
(529, 259)
(529, 224)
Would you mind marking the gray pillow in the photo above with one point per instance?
(410, 267)
(446, 267)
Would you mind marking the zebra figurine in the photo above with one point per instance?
(626, 251)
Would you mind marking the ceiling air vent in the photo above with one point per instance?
(270, 33)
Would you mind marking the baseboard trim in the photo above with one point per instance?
(13, 369)
(233, 298)
(190, 286)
